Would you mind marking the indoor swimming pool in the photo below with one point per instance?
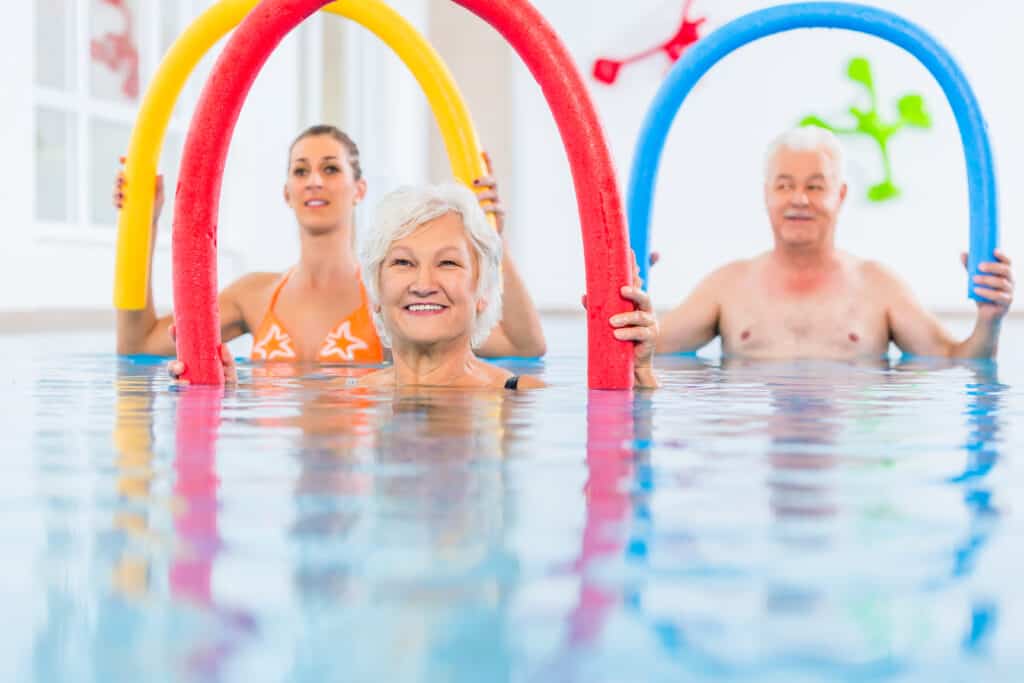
(797, 521)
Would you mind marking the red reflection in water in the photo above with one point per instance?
(195, 490)
(195, 521)
(610, 433)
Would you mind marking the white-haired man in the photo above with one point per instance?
(806, 299)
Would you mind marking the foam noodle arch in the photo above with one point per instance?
(134, 222)
(981, 184)
(605, 240)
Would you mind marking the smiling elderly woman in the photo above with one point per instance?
(432, 265)
(432, 269)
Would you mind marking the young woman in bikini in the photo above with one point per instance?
(318, 310)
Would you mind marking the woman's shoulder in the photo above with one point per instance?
(256, 280)
(252, 285)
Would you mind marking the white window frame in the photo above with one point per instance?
(83, 107)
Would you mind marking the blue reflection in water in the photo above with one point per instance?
(983, 426)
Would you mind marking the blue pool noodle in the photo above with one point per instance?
(698, 59)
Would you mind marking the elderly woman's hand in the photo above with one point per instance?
(641, 328)
(487, 194)
(176, 368)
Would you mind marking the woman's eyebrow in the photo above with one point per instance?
(304, 160)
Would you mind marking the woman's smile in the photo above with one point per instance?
(425, 309)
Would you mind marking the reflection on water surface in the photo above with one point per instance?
(769, 521)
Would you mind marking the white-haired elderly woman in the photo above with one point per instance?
(432, 266)
(432, 270)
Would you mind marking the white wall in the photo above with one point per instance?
(708, 207)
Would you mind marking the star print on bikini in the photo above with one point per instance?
(277, 344)
(342, 343)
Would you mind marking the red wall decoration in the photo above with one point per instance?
(607, 70)
(117, 51)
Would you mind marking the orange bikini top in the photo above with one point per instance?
(353, 340)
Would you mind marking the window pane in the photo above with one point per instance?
(55, 21)
(114, 50)
(108, 141)
(170, 25)
(55, 165)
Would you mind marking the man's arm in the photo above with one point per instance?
(694, 323)
(918, 332)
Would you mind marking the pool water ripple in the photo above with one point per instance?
(796, 521)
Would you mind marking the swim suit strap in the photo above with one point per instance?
(277, 289)
(512, 382)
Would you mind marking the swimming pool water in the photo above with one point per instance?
(750, 521)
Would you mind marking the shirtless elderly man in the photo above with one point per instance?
(807, 299)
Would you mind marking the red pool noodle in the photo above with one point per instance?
(197, 199)
(605, 242)
(195, 230)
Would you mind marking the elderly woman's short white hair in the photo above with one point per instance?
(401, 212)
(808, 139)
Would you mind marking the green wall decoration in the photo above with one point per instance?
(912, 113)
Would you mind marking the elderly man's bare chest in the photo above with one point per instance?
(844, 322)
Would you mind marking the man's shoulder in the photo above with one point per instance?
(875, 272)
(731, 271)
(882, 282)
